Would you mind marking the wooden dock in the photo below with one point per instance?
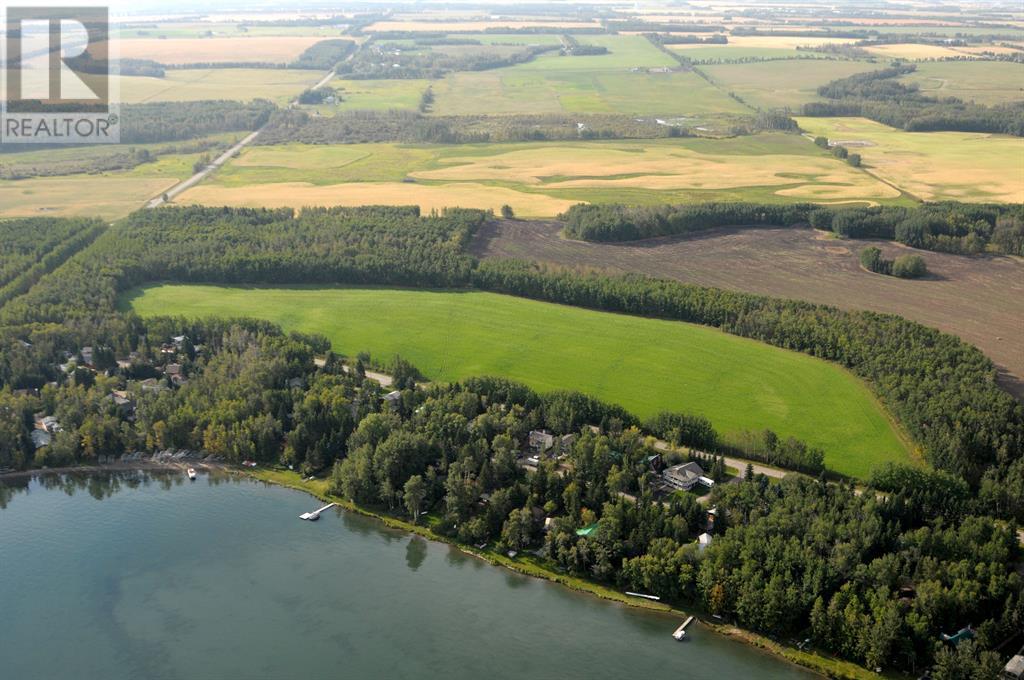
(680, 632)
(315, 515)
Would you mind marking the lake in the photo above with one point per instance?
(146, 575)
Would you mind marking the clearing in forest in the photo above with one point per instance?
(646, 365)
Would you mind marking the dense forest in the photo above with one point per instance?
(381, 60)
(941, 389)
(880, 96)
(174, 121)
(950, 226)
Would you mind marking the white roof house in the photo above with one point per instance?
(703, 541)
(683, 476)
(1014, 668)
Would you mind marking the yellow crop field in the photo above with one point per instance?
(275, 49)
(913, 51)
(663, 167)
(242, 84)
(466, 26)
(963, 166)
(428, 197)
(108, 196)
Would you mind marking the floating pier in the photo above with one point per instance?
(315, 515)
(680, 632)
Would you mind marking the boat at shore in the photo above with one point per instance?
(192, 474)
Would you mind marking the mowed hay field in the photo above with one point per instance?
(983, 82)
(962, 166)
(979, 299)
(646, 365)
(273, 49)
(785, 83)
(241, 84)
(539, 179)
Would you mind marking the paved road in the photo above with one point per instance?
(737, 463)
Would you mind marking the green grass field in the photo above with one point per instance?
(780, 84)
(984, 82)
(766, 167)
(646, 365)
(618, 82)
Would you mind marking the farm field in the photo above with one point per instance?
(516, 90)
(646, 365)
(109, 195)
(274, 49)
(979, 299)
(963, 166)
(781, 84)
(377, 94)
(983, 82)
(543, 178)
(619, 82)
(242, 84)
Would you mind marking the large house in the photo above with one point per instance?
(684, 476)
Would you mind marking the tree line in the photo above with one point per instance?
(940, 388)
(947, 226)
(878, 95)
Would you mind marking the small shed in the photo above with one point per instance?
(703, 541)
(1014, 668)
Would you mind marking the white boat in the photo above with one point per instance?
(192, 473)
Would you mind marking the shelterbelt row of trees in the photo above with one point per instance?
(875, 580)
(940, 388)
(949, 226)
(358, 127)
(880, 96)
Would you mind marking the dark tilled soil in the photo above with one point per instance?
(981, 299)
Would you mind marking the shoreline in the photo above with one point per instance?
(825, 666)
(524, 564)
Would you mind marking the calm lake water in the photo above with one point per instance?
(150, 576)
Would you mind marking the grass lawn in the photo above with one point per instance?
(541, 179)
(780, 84)
(961, 166)
(243, 84)
(646, 365)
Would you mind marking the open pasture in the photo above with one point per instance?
(783, 84)
(647, 365)
(242, 84)
(108, 196)
(979, 299)
(983, 82)
(377, 94)
(962, 166)
(520, 91)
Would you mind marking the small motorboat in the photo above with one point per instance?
(192, 474)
